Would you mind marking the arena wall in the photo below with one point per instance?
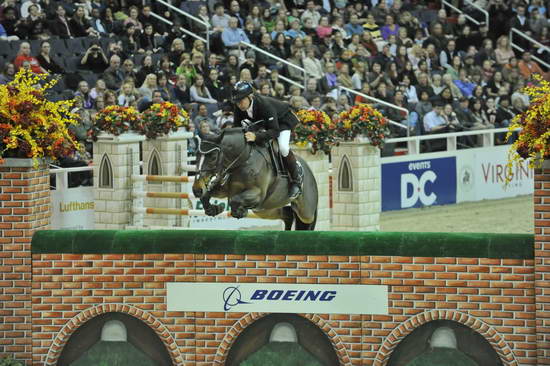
(483, 281)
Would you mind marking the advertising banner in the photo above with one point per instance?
(73, 208)
(418, 183)
(277, 298)
(482, 175)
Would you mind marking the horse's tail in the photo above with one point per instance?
(300, 225)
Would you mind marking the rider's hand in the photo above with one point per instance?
(250, 136)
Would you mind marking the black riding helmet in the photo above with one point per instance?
(241, 89)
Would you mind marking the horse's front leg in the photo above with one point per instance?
(241, 202)
(210, 209)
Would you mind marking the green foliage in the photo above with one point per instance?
(9, 362)
(281, 353)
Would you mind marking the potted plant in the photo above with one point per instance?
(116, 120)
(533, 137)
(363, 120)
(161, 119)
(32, 126)
(316, 129)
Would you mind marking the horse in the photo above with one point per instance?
(229, 167)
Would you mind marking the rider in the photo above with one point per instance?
(277, 120)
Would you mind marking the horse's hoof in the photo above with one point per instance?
(213, 210)
(238, 213)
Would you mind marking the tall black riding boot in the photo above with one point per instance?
(296, 175)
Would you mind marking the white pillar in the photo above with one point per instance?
(171, 154)
(356, 186)
(319, 165)
(116, 159)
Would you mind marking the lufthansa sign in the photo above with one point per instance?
(277, 298)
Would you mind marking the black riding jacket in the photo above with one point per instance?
(276, 115)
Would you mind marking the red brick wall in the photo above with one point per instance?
(542, 261)
(493, 296)
(24, 208)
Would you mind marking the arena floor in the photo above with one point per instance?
(510, 215)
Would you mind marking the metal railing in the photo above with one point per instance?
(446, 3)
(480, 9)
(62, 175)
(194, 18)
(283, 61)
(532, 40)
(413, 142)
(380, 101)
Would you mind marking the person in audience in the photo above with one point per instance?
(45, 60)
(232, 36)
(128, 96)
(113, 75)
(24, 55)
(149, 85)
(99, 89)
(85, 95)
(200, 93)
(180, 91)
(8, 73)
(94, 59)
(80, 26)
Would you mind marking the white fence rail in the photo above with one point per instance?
(533, 41)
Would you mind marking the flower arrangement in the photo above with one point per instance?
(315, 128)
(32, 126)
(161, 118)
(116, 120)
(363, 120)
(534, 138)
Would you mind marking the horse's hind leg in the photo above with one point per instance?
(300, 225)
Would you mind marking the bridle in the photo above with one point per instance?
(221, 173)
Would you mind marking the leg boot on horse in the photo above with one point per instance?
(296, 172)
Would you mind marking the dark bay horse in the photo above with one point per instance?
(229, 167)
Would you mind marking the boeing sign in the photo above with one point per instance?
(280, 298)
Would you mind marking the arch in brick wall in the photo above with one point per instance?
(496, 341)
(248, 319)
(65, 333)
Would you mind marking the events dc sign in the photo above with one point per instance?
(418, 183)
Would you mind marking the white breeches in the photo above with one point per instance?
(284, 142)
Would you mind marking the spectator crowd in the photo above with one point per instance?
(449, 71)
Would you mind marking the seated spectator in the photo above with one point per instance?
(329, 81)
(297, 102)
(8, 73)
(434, 121)
(233, 36)
(177, 48)
(109, 98)
(311, 13)
(133, 18)
(481, 121)
(464, 85)
(12, 26)
(262, 77)
(34, 25)
(323, 29)
(145, 17)
(280, 46)
(390, 28)
(99, 25)
(99, 89)
(295, 30)
(149, 85)
(374, 30)
(344, 78)
(113, 75)
(128, 71)
(424, 105)
(250, 64)
(164, 86)
(83, 92)
(94, 59)
(24, 55)
(128, 96)
(200, 93)
(225, 118)
(220, 20)
(202, 116)
(215, 86)
(80, 26)
(130, 40)
(528, 67)
(26, 7)
(504, 114)
(45, 60)
(180, 91)
(156, 98)
(354, 26)
(84, 125)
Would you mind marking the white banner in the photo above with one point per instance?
(481, 175)
(73, 208)
(277, 298)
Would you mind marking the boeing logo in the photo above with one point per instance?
(233, 297)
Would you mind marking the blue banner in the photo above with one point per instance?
(418, 183)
